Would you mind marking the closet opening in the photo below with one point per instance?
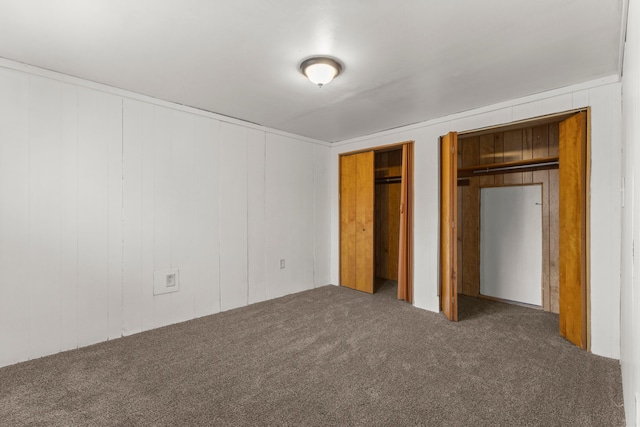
(514, 210)
(376, 230)
(508, 215)
(387, 189)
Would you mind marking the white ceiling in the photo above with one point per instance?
(406, 61)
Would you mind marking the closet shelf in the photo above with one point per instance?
(528, 165)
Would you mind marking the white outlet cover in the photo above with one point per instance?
(166, 281)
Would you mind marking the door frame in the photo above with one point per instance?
(410, 197)
(586, 164)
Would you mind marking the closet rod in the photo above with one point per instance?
(390, 180)
(516, 167)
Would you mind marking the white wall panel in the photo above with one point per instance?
(14, 216)
(527, 110)
(98, 131)
(132, 217)
(92, 220)
(630, 287)
(426, 207)
(289, 212)
(45, 176)
(233, 216)
(69, 217)
(631, 370)
(322, 215)
(257, 276)
(150, 125)
(162, 208)
(113, 133)
(557, 103)
(606, 217)
(207, 221)
(487, 118)
(580, 99)
(182, 305)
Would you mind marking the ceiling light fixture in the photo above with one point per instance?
(320, 69)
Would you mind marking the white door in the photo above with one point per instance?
(511, 243)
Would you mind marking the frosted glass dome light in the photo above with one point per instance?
(320, 70)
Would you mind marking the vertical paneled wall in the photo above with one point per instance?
(289, 182)
(98, 191)
(494, 148)
(256, 198)
(60, 216)
(14, 217)
(170, 214)
(630, 289)
(322, 215)
(233, 214)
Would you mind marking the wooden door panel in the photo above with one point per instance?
(365, 192)
(405, 235)
(572, 229)
(348, 221)
(448, 227)
(356, 221)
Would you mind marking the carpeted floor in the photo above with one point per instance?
(325, 357)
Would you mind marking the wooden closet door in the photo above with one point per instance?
(448, 226)
(356, 221)
(573, 226)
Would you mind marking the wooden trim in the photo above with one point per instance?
(409, 234)
(379, 149)
(340, 221)
(405, 250)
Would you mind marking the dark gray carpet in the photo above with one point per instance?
(326, 357)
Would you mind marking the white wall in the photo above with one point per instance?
(630, 289)
(604, 97)
(99, 188)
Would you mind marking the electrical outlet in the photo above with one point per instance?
(282, 264)
(166, 281)
(171, 280)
